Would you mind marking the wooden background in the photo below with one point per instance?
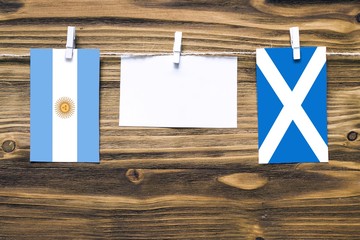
(180, 183)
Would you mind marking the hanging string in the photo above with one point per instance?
(148, 54)
(182, 53)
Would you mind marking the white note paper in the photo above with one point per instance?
(200, 92)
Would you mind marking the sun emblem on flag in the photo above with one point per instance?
(64, 107)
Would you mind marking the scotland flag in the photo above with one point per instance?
(292, 120)
(64, 106)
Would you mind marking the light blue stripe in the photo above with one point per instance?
(88, 105)
(41, 105)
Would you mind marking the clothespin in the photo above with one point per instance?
(295, 42)
(70, 42)
(177, 47)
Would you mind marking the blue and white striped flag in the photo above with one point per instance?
(64, 106)
(292, 119)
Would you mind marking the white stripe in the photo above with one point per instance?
(64, 132)
(274, 136)
(292, 109)
(311, 135)
(310, 73)
(272, 75)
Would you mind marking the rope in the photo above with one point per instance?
(127, 54)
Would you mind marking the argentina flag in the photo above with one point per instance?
(291, 94)
(64, 106)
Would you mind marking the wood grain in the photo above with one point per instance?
(166, 183)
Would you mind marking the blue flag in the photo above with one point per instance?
(292, 119)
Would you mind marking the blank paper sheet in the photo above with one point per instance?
(200, 92)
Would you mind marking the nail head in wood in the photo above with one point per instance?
(352, 136)
(8, 146)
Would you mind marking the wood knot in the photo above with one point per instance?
(358, 18)
(259, 238)
(8, 146)
(135, 176)
(245, 181)
(352, 136)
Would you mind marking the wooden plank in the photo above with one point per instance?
(179, 183)
(47, 201)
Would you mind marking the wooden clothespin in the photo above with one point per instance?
(70, 43)
(177, 47)
(295, 42)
